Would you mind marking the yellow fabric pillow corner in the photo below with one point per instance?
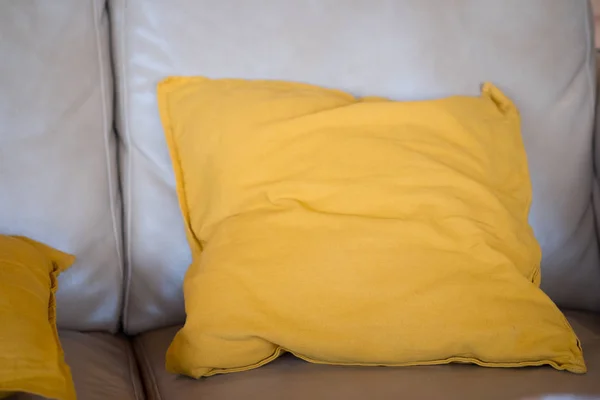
(355, 231)
(31, 357)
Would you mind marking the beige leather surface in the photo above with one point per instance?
(539, 52)
(103, 367)
(289, 378)
(58, 171)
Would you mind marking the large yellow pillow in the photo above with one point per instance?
(31, 357)
(355, 232)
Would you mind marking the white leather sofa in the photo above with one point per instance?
(84, 164)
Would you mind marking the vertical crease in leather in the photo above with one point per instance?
(107, 131)
(591, 57)
(126, 178)
(149, 374)
(588, 18)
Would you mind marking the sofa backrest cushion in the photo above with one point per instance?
(58, 171)
(538, 52)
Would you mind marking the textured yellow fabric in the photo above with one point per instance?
(31, 357)
(355, 232)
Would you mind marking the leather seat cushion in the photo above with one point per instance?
(291, 378)
(103, 367)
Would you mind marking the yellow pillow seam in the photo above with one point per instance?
(165, 114)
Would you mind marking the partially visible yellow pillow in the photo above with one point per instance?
(355, 232)
(31, 357)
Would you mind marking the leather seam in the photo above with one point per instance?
(149, 371)
(132, 369)
(589, 22)
(127, 178)
(592, 80)
(106, 132)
